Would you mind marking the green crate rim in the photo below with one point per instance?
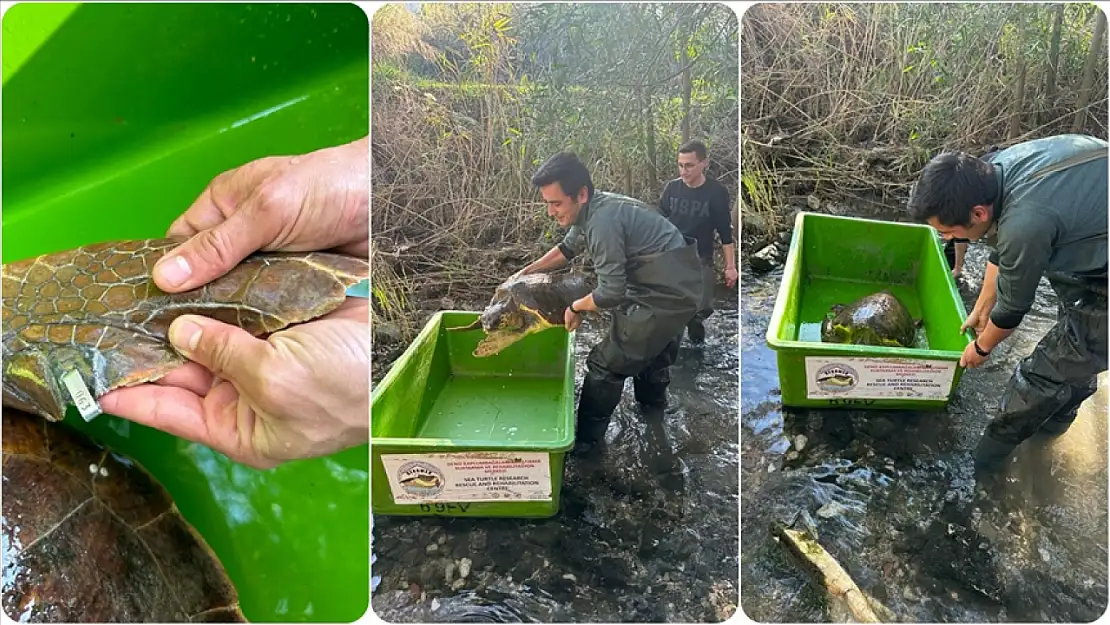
(444, 445)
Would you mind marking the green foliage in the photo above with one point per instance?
(859, 96)
(463, 115)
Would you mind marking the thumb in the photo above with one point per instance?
(228, 351)
(212, 253)
(969, 322)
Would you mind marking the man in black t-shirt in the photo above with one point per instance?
(697, 206)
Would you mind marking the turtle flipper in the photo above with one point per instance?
(95, 310)
(33, 377)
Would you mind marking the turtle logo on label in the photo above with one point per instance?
(420, 478)
(836, 378)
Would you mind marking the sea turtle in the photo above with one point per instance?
(876, 319)
(92, 537)
(96, 310)
(524, 305)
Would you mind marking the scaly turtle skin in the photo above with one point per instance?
(96, 310)
(92, 538)
(878, 319)
(525, 305)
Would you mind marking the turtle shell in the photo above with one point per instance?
(878, 319)
(96, 309)
(90, 536)
(526, 304)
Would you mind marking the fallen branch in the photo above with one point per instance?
(844, 595)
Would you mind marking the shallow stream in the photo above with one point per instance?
(647, 535)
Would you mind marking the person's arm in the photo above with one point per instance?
(1021, 259)
(722, 220)
(665, 201)
(552, 260)
(609, 257)
(557, 257)
(961, 251)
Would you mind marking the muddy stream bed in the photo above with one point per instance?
(647, 535)
(893, 496)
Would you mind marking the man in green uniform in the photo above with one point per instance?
(699, 205)
(648, 276)
(1042, 205)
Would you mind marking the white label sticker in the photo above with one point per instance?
(878, 378)
(469, 476)
(79, 393)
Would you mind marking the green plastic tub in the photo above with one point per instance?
(455, 435)
(837, 260)
(115, 118)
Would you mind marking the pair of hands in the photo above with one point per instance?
(977, 321)
(303, 391)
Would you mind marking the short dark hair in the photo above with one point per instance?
(950, 185)
(695, 146)
(568, 171)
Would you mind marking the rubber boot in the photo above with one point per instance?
(695, 331)
(992, 454)
(599, 398)
(1059, 425)
(652, 395)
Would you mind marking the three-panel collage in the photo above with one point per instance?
(567, 312)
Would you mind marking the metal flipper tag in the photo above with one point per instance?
(79, 393)
(362, 289)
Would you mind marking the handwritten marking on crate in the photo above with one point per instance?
(878, 378)
(445, 508)
(468, 477)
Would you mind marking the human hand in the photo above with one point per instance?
(956, 272)
(731, 276)
(315, 201)
(300, 393)
(571, 319)
(976, 320)
(971, 358)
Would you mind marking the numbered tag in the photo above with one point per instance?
(79, 393)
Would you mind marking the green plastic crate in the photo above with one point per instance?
(456, 435)
(837, 260)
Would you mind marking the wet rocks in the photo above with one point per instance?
(831, 509)
(614, 571)
(722, 597)
(767, 258)
(387, 332)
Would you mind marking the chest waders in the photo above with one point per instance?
(663, 294)
(1048, 386)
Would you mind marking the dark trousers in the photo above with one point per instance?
(639, 345)
(1060, 374)
(696, 328)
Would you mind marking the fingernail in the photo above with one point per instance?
(173, 271)
(185, 335)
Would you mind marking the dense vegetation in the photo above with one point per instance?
(467, 99)
(846, 102)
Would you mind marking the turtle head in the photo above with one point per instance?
(832, 332)
(500, 317)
